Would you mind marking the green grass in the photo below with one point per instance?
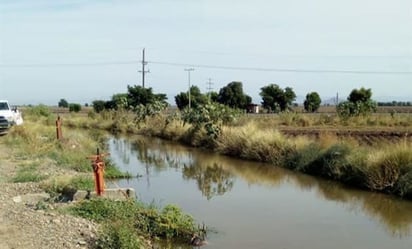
(28, 177)
(125, 223)
(60, 184)
(28, 173)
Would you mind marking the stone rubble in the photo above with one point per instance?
(28, 221)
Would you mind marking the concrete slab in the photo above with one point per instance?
(113, 194)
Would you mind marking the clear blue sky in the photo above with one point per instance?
(83, 50)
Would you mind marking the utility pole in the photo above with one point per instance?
(188, 76)
(209, 87)
(143, 71)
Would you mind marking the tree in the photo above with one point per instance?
(275, 98)
(74, 107)
(360, 95)
(196, 98)
(359, 103)
(312, 102)
(213, 96)
(138, 95)
(120, 101)
(98, 105)
(232, 95)
(63, 103)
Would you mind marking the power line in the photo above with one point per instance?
(286, 70)
(236, 68)
(92, 64)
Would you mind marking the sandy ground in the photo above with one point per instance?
(27, 220)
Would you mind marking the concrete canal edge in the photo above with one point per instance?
(113, 194)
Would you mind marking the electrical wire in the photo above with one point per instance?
(287, 70)
(220, 67)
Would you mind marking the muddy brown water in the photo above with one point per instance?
(255, 205)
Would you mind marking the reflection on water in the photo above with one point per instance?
(216, 175)
(211, 180)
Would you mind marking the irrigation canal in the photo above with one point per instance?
(255, 205)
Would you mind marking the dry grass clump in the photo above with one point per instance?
(164, 126)
(249, 142)
(295, 119)
(390, 169)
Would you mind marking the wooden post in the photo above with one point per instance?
(59, 134)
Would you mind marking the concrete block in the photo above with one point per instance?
(111, 193)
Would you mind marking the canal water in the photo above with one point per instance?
(255, 205)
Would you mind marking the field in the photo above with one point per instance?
(388, 124)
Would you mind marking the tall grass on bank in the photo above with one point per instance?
(37, 141)
(390, 169)
(249, 142)
(386, 169)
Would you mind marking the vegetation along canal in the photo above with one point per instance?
(253, 205)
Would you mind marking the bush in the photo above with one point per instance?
(303, 157)
(210, 117)
(98, 105)
(39, 111)
(73, 107)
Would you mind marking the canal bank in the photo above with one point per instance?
(255, 205)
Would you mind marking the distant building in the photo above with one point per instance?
(253, 108)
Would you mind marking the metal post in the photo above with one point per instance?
(98, 172)
(188, 75)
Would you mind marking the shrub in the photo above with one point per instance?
(73, 107)
(38, 111)
(303, 157)
(210, 117)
